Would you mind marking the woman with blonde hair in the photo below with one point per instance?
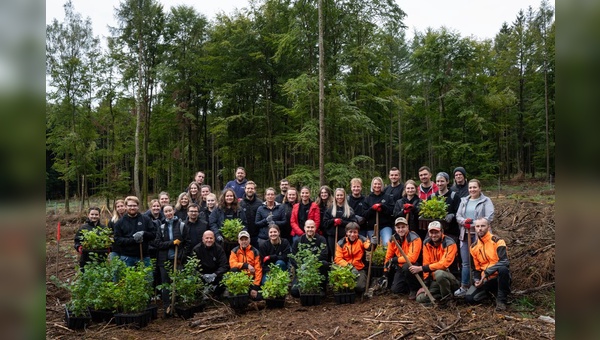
(336, 218)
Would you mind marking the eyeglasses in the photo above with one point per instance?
(193, 211)
(132, 206)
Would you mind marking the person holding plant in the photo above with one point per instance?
(439, 252)
(270, 212)
(213, 262)
(92, 223)
(156, 215)
(336, 218)
(408, 207)
(291, 198)
(275, 250)
(472, 207)
(378, 204)
(350, 252)
(227, 209)
(132, 230)
(303, 211)
(246, 258)
(452, 200)
(318, 246)
(172, 237)
(183, 202)
(399, 274)
(119, 210)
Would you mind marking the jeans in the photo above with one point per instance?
(280, 263)
(385, 234)
(131, 261)
(465, 257)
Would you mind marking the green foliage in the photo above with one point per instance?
(237, 283)
(276, 284)
(98, 280)
(378, 256)
(341, 278)
(133, 288)
(231, 228)
(307, 271)
(434, 208)
(78, 304)
(96, 238)
(187, 282)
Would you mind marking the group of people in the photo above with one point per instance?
(344, 223)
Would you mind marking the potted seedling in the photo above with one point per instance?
(433, 209)
(77, 315)
(378, 259)
(308, 275)
(230, 230)
(187, 286)
(275, 288)
(237, 284)
(343, 282)
(99, 277)
(97, 240)
(132, 293)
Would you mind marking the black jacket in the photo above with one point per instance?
(315, 245)
(164, 244)
(213, 260)
(385, 215)
(196, 230)
(275, 252)
(250, 207)
(413, 218)
(327, 225)
(261, 219)
(358, 206)
(126, 226)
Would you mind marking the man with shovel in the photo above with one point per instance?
(403, 280)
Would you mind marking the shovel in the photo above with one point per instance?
(171, 306)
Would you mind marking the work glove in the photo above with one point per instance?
(394, 260)
(139, 236)
(176, 242)
(377, 207)
(208, 278)
(355, 271)
(266, 259)
(220, 239)
(407, 208)
(80, 249)
(449, 218)
(468, 222)
(374, 240)
(270, 219)
(337, 222)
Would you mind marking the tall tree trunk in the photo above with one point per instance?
(67, 208)
(321, 98)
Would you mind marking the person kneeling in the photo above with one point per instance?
(403, 281)
(246, 258)
(350, 252)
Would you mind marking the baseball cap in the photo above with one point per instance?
(243, 233)
(401, 220)
(434, 225)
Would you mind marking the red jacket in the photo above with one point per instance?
(425, 195)
(240, 258)
(347, 252)
(314, 213)
(411, 244)
(438, 257)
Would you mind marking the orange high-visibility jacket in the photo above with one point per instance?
(438, 257)
(489, 253)
(411, 244)
(347, 252)
(240, 258)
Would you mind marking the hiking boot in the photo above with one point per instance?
(412, 295)
(500, 306)
(460, 292)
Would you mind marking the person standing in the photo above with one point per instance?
(204, 191)
(183, 202)
(356, 200)
(250, 204)
(492, 275)
(196, 226)
(324, 201)
(291, 198)
(442, 180)
(193, 191)
(408, 207)
(427, 187)
(132, 230)
(378, 203)
(439, 253)
(284, 185)
(460, 182)
(396, 187)
(337, 218)
(304, 210)
(92, 223)
(268, 213)
(119, 211)
(164, 199)
(473, 207)
(213, 262)
(199, 178)
(350, 251)
(172, 234)
(239, 183)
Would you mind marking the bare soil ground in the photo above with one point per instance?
(524, 218)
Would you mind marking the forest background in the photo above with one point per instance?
(173, 93)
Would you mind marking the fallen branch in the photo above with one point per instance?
(405, 335)
(375, 334)
(450, 326)
(310, 334)
(389, 321)
(543, 249)
(63, 327)
(213, 326)
(534, 289)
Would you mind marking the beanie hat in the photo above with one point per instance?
(461, 169)
(443, 174)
